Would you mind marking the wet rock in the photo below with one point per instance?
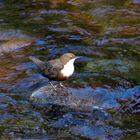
(80, 31)
(53, 12)
(63, 98)
(10, 41)
(84, 124)
(5, 101)
(136, 1)
(84, 99)
(100, 115)
(104, 41)
(17, 118)
(109, 65)
(124, 31)
(37, 18)
(84, 50)
(7, 35)
(67, 120)
(119, 83)
(25, 66)
(102, 12)
(11, 45)
(89, 132)
(54, 29)
(4, 88)
(130, 105)
(33, 81)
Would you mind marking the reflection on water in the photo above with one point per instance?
(105, 32)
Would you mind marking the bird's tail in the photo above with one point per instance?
(38, 62)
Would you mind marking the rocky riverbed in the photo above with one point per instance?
(101, 100)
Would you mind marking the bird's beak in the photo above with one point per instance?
(78, 57)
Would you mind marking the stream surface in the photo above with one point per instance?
(106, 33)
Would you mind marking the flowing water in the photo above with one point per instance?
(105, 32)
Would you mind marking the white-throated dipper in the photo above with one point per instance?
(59, 69)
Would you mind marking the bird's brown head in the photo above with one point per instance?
(66, 57)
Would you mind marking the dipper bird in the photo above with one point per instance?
(59, 69)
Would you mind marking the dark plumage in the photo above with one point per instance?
(52, 69)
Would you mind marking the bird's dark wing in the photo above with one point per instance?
(53, 68)
(50, 69)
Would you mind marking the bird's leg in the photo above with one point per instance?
(52, 86)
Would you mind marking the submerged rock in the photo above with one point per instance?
(10, 41)
(13, 44)
(136, 1)
(17, 117)
(7, 35)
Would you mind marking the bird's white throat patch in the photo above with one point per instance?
(68, 68)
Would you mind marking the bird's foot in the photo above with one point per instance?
(61, 85)
(62, 90)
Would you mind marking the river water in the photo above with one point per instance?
(105, 32)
